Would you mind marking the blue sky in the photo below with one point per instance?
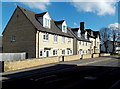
(73, 13)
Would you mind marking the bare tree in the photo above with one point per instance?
(115, 34)
(105, 36)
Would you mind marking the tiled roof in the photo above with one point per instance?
(53, 30)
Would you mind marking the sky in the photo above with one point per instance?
(96, 15)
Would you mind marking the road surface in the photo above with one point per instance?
(95, 73)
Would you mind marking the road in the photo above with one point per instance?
(95, 73)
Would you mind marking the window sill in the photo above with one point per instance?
(45, 40)
(55, 42)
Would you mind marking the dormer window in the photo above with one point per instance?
(85, 35)
(64, 29)
(79, 33)
(47, 23)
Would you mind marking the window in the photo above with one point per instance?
(54, 52)
(45, 36)
(69, 52)
(86, 35)
(47, 23)
(41, 53)
(64, 29)
(80, 42)
(63, 52)
(55, 38)
(63, 39)
(69, 40)
(83, 43)
(12, 38)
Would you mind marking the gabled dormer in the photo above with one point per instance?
(76, 31)
(86, 34)
(44, 19)
(62, 25)
(79, 32)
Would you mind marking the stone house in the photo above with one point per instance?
(37, 35)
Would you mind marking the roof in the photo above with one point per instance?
(96, 33)
(41, 14)
(78, 38)
(59, 22)
(53, 30)
(0, 41)
(75, 29)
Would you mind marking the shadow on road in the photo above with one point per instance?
(64, 76)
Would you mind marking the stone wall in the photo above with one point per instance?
(71, 58)
(15, 65)
(86, 56)
(105, 54)
(96, 55)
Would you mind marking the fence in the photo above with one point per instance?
(12, 56)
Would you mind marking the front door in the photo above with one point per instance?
(47, 53)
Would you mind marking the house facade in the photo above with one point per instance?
(39, 35)
(86, 41)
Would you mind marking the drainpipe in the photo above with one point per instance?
(38, 44)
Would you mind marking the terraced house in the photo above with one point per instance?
(39, 35)
(86, 41)
(36, 34)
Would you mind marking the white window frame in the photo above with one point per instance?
(69, 40)
(69, 52)
(56, 52)
(45, 36)
(47, 23)
(80, 42)
(62, 51)
(55, 38)
(41, 50)
(64, 28)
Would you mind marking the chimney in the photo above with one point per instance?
(82, 26)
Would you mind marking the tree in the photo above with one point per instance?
(105, 37)
(115, 34)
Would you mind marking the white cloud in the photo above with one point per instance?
(115, 26)
(36, 4)
(100, 7)
(75, 24)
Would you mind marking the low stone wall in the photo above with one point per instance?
(105, 54)
(86, 56)
(95, 55)
(15, 65)
(71, 57)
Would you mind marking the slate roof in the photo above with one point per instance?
(78, 38)
(59, 22)
(53, 30)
